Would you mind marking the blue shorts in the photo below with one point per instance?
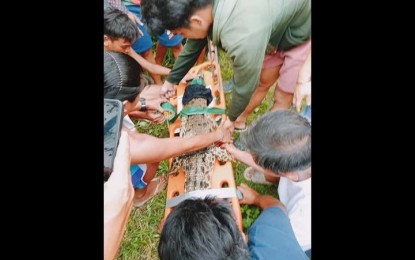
(144, 43)
(137, 173)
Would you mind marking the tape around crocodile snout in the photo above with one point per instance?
(169, 111)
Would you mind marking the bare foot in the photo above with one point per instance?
(154, 187)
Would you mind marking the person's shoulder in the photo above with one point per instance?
(267, 233)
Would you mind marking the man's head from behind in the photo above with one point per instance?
(178, 16)
(119, 31)
(201, 229)
(280, 141)
(122, 79)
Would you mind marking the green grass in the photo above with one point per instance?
(141, 238)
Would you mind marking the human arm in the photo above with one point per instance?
(135, 19)
(303, 85)
(118, 199)
(153, 116)
(151, 101)
(183, 64)
(148, 66)
(252, 197)
(148, 149)
(152, 98)
(242, 156)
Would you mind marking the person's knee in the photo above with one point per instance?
(268, 77)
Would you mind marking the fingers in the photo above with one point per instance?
(170, 94)
(298, 103)
(137, 20)
(156, 117)
(243, 188)
(249, 194)
(167, 92)
(140, 32)
(308, 100)
(229, 126)
(160, 109)
(155, 104)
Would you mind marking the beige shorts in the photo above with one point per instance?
(291, 61)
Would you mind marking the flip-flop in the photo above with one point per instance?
(240, 130)
(160, 187)
(256, 177)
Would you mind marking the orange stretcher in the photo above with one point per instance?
(222, 176)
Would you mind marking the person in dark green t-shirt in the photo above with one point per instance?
(258, 37)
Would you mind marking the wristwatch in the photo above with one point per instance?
(143, 105)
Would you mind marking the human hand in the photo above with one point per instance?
(197, 71)
(151, 91)
(136, 20)
(155, 117)
(151, 115)
(226, 127)
(191, 75)
(229, 125)
(153, 99)
(231, 148)
(302, 90)
(154, 104)
(167, 90)
(250, 196)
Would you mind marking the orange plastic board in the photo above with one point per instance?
(222, 175)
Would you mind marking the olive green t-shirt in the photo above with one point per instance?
(244, 29)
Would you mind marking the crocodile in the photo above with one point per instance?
(198, 165)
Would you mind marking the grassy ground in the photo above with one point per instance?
(141, 237)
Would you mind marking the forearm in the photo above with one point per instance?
(158, 69)
(114, 228)
(148, 66)
(186, 60)
(117, 207)
(266, 201)
(245, 158)
(148, 149)
(139, 115)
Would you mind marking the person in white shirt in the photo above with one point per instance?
(279, 145)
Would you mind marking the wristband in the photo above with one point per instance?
(143, 105)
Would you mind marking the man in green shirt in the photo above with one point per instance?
(246, 30)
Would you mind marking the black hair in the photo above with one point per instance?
(118, 25)
(202, 229)
(160, 15)
(280, 141)
(121, 76)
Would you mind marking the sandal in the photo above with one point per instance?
(240, 130)
(255, 176)
(161, 185)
